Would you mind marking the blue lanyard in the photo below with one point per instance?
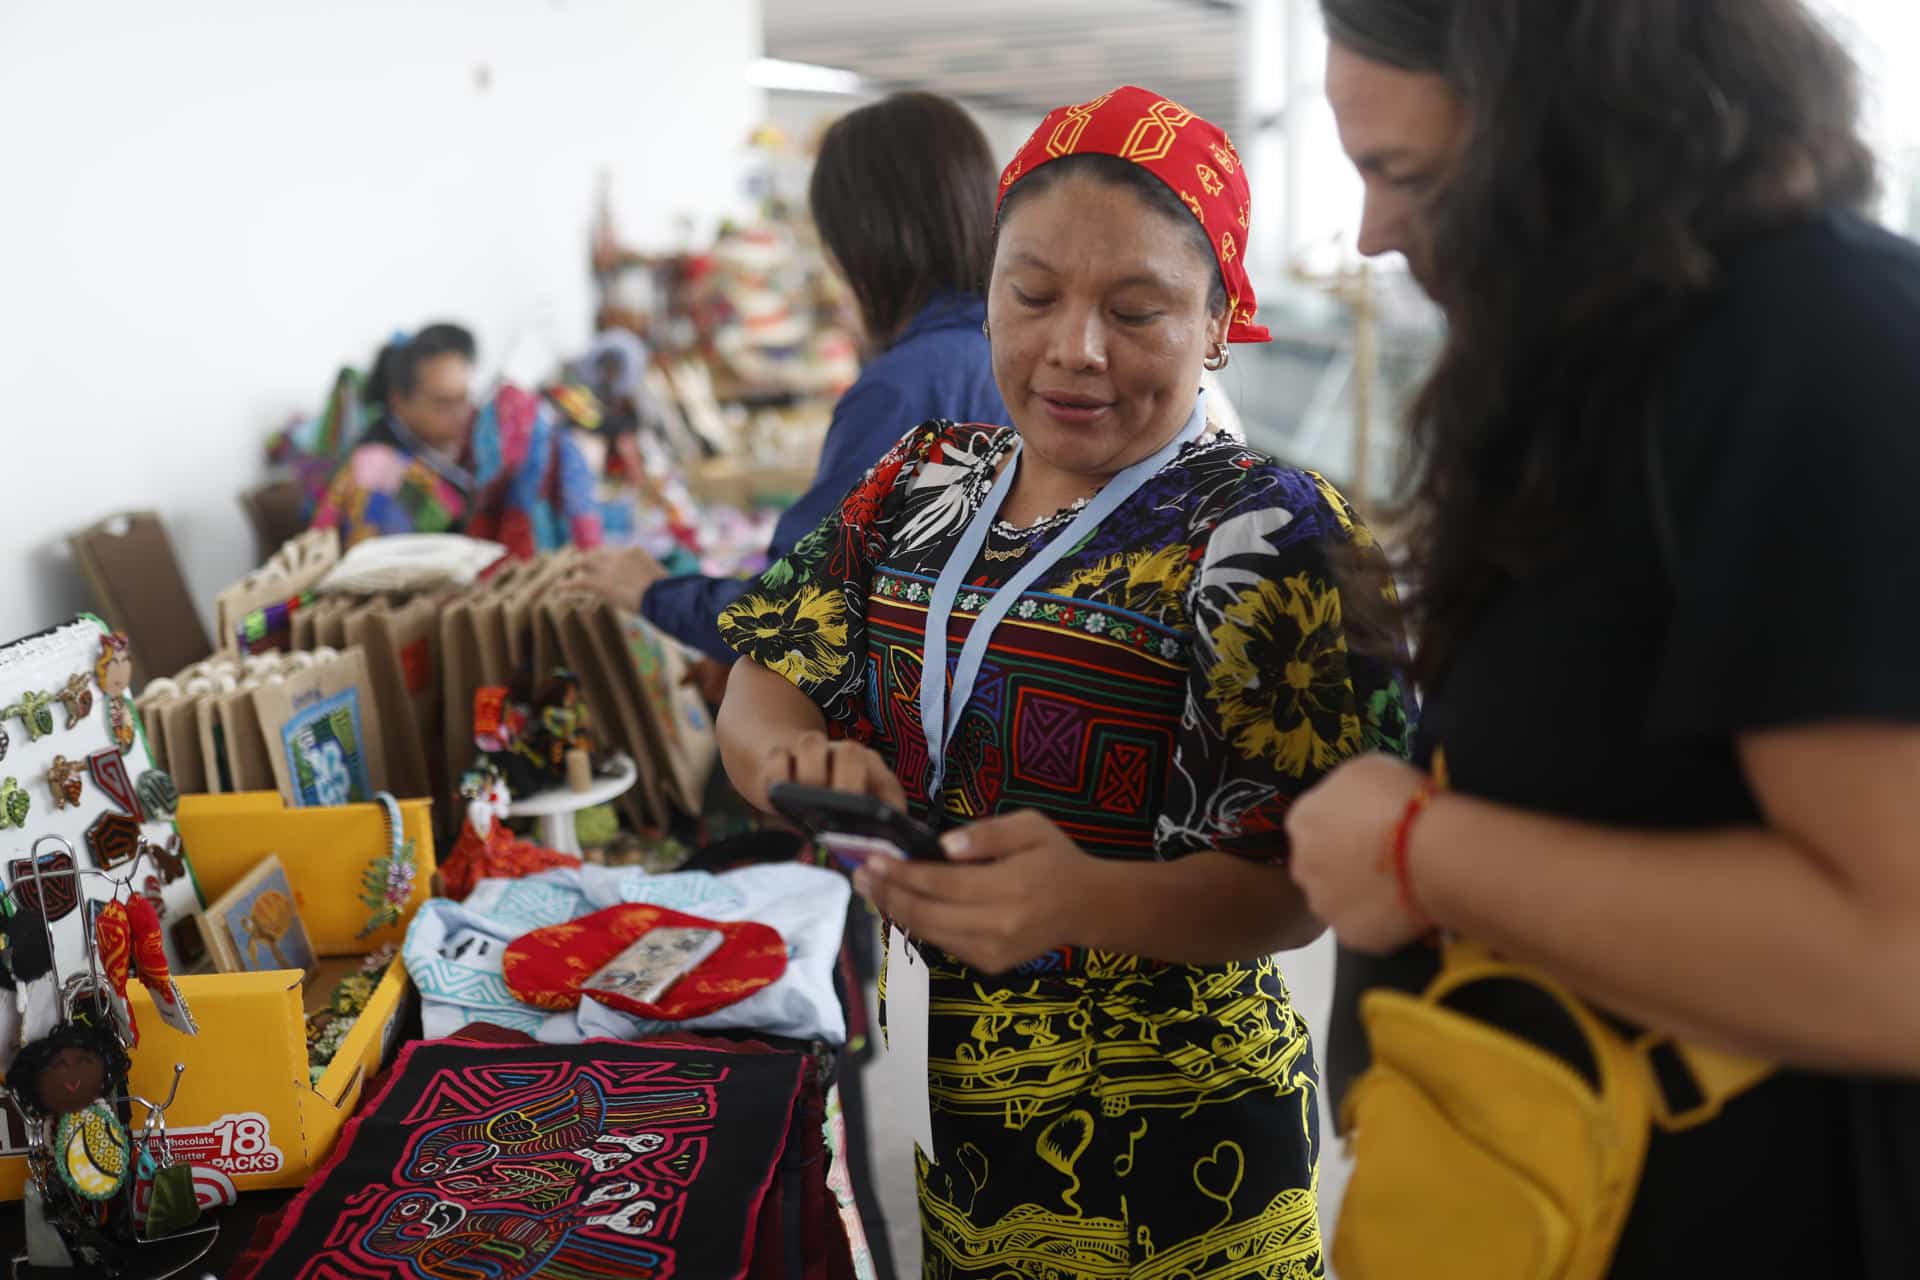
(939, 719)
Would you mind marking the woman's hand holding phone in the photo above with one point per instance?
(814, 760)
(1014, 887)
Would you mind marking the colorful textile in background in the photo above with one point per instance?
(270, 627)
(314, 450)
(381, 490)
(510, 1161)
(537, 490)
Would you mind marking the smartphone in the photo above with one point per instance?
(854, 828)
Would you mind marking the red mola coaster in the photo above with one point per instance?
(548, 967)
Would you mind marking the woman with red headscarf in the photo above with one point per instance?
(1142, 662)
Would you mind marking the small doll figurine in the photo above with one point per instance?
(506, 737)
(565, 716)
(113, 671)
(66, 1070)
(486, 848)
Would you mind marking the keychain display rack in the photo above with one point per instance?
(119, 1220)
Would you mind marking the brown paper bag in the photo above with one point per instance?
(530, 645)
(617, 716)
(400, 644)
(330, 627)
(181, 728)
(546, 621)
(207, 732)
(459, 677)
(249, 767)
(490, 640)
(692, 747)
(302, 631)
(149, 710)
(335, 760)
(653, 670)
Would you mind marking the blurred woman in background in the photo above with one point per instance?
(412, 472)
(902, 195)
(1664, 567)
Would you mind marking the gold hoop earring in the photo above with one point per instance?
(1218, 360)
(986, 330)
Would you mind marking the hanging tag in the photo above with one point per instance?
(172, 1206)
(905, 1058)
(150, 962)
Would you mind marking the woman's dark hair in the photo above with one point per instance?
(1115, 172)
(1617, 151)
(396, 369)
(902, 194)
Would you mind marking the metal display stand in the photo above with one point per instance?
(93, 985)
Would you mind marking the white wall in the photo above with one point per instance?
(208, 206)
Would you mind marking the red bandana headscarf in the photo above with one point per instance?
(1193, 157)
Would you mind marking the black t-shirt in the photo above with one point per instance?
(1610, 689)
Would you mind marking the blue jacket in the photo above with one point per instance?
(939, 368)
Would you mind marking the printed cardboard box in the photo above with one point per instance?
(248, 1111)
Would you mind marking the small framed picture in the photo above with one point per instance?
(256, 926)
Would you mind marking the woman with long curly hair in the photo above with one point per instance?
(1663, 566)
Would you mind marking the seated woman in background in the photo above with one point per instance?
(1151, 663)
(412, 471)
(902, 195)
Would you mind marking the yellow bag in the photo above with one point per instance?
(1479, 1155)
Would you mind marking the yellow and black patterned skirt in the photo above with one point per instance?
(1126, 1120)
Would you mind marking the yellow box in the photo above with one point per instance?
(325, 853)
(247, 1110)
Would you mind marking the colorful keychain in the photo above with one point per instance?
(150, 964)
(91, 1152)
(164, 1202)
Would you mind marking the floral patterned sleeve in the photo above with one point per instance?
(1275, 698)
(806, 619)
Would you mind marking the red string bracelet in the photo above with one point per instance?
(1402, 839)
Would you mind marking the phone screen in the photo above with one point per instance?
(851, 851)
(854, 828)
